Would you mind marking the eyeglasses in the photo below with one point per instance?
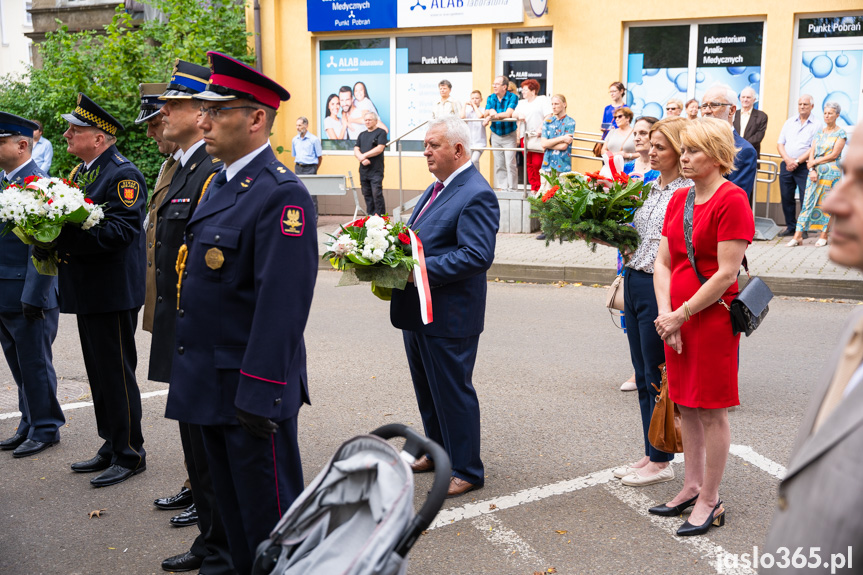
(214, 112)
(619, 116)
(713, 105)
(671, 109)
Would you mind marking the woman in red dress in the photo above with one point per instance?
(700, 349)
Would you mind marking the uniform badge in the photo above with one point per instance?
(214, 258)
(293, 221)
(128, 190)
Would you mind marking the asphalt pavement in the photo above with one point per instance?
(553, 426)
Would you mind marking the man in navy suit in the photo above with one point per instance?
(28, 309)
(456, 219)
(720, 102)
(239, 369)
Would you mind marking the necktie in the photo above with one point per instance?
(220, 180)
(438, 186)
(851, 358)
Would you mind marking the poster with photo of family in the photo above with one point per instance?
(354, 79)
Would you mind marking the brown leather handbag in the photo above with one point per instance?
(664, 433)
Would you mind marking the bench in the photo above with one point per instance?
(330, 185)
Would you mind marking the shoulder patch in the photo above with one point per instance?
(128, 191)
(293, 221)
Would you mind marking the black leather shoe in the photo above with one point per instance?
(32, 447)
(785, 233)
(12, 442)
(115, 474)
(540, 237)
(98, 463)
(716, 517)
(182, 562)
(179, 501)
(674, 510)
(187, 518)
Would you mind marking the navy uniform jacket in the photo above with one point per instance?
(458, 235)
(172, 215)
(102, 269)
(250, 273)
(745, 166)
(20, 280)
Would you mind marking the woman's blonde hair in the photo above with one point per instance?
(677, 103)
(713, 137)
(670, 128)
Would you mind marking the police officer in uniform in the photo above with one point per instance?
(102, 281)
(250, 265)
(28, 309)
(172, 210)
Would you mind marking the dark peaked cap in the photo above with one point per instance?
(150, 102)
(187, 79)
(89, 113)
(231, 79)
(12, 125)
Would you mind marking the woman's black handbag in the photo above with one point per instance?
(750, 307)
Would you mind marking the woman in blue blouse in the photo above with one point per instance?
(640, 167)
(618, 100)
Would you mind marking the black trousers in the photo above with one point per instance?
(110, 357)
(309, 169)
(788, 182)
(212, 542)
(372, 184)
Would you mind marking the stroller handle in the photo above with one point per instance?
(417, 445)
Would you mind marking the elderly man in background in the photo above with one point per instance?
(749, 122)
(720, 102)
(793, 145)
(43, 151)
(307, 152)
(819, 502)
(499, 106)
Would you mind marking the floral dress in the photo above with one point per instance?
(812, 217)
(557, 160)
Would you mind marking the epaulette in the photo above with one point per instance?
(74, 172)
(215, 160)
(118, 159)
(281, 173)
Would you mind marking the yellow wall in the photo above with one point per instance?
(588, 56)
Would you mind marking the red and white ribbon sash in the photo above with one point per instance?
(421, 279)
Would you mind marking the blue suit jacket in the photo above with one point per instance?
(19, 280)
(746, 166)
(458, 235)
(246, 293)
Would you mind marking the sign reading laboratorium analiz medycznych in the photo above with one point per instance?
(334, 15)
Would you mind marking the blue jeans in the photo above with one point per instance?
(645, 347)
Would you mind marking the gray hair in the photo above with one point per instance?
(370, 113)
(750, 89)
(304, 120)
(17, 138)
(807, 97)
(729, 94)
(833, 106)
(446, 83)
(455, 130)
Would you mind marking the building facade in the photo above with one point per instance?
(15, 46)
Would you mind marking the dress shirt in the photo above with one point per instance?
(188, 153)
(448, 108)
(43, 154)
(306, 149)
(234, 169)
(11, 174)
(447, 181)
(744, 120)
(797, 136)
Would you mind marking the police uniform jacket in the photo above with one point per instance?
(20, 280)
(163, 182)
(174, 211)
(246, 292)
(102, 269)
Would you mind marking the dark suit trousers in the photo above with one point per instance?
(788, 182)
(372, 184)
(110, 357)
(645, 348)
(212, 542)
(255, 481)
(27, 347)
(442, 371)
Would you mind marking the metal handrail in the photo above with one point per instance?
(772, 173)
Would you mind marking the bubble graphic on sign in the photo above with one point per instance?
(670, 73)
(844, 101)
(754, 77)
(809, 56)
(650, 72)
(821, 66)
(637, 104)
(841, 61)
(699, 77)
(736, 70)
(682, 81)
(652, 109)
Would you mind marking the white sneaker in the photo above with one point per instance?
(622, 472)
(628, 386)
(636, 480)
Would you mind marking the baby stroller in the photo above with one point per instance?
(357, 516)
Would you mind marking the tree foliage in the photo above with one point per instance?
(108, 65)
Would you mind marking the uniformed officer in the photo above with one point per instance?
(102, 281)
(172, 211)
(250, 266)
(28, 309)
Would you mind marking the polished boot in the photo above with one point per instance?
(98, 463)
(12, 442)
(179, 501)
(673, 511)
(716, 517)
(32, 447)
(187, 518)
(182, 562)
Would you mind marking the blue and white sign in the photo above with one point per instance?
(425, 13)
(335, 15)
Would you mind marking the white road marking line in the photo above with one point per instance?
(700, 545)
(80, 404)
(516, 548)
(746, 453)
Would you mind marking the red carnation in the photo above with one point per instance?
(356, 223)
(30, 179)
(50, 201)
(404, 238)
(88, 200)
(550, 194)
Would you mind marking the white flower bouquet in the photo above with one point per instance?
(37, 211)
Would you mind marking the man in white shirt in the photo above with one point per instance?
(793, 145)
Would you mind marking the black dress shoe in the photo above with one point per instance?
(187, 518)
(785, 233)
(716, 517)
(540, 237)
(32, 447)
(98, 463)
(182, 562)
(12, 442)
(179, 501)
(115, 474)
(674, 510)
